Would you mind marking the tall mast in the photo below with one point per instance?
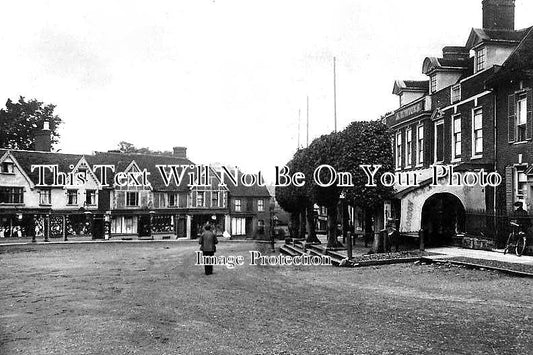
(307, 139)
(335, 93)
(298, 148)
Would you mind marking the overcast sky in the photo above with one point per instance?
(225, 78)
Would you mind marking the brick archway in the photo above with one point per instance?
(443, 216)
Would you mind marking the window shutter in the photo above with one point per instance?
(509, 188)
(512, 117)
(529, 125)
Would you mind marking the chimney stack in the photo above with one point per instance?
(180, 152)
(43, 138)
(498, 14)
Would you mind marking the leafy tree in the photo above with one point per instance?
(126, 147)
(368, 143)
(21, 120)
(325, 150)
(292, 200)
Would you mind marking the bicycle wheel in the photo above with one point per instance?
(520, 246)
(508, 244)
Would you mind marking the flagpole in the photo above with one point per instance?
(307, 139)
(335, 93)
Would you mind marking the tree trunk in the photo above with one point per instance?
(302, 224)
(311, 233)
(294, 225)
(369, 229)
(332, 227)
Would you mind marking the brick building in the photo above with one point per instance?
(106, 207)
(473, 113)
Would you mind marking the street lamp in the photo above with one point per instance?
(348, 234)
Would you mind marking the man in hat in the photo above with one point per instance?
(207, 242)
(522, 217)
(393, 236)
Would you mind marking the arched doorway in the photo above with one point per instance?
(443, 216)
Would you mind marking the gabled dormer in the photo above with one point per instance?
(410, 90)
(492, 44)
(446, 71)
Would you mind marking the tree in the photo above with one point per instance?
(366, 143)
(21, 120)
(325, 150)
(126, 147)
(292, 200)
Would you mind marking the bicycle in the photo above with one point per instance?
(516, 241)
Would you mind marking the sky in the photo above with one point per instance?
(228, 79)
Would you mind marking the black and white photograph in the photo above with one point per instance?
(266, 177)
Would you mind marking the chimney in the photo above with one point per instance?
(180, 152)
(43, 138)
(498, 14)
(455, 52)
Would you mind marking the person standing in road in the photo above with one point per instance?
(207, 242)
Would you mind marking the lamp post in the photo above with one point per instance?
(346, 234)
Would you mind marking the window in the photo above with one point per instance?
(237, 204)
(260, 205)
(90, 197)
(224, 199)
(456, 93)
(420, 144)
(261, 226)
(477, 132)
(520, 184)
(124, 225)
(408, 147)
(457, 139)
(11, 195)
(200, 199)
(72, 197)
(238, 226)
(173, 200)
(398, 150)
(433, 82)
(8, 168)
(45, 197)
(214, 198)
(439, 141)
(521, 118)
(132, 198)
(480, 59)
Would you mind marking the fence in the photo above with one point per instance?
(493, 226)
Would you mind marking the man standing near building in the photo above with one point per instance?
(207, 242)
(522, 217)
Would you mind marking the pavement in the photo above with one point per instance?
(497, 255)
(84, 240)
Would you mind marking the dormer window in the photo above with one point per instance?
(433, 83)
(480, 59)
(8, 168)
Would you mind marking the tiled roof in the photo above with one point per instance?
(143, 161)
(414, 85)
(121, 161)
(27, 158)
(478, 35)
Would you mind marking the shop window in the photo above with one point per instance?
(238, 226)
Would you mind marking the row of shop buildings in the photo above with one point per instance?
(474, 112)
(80, 200)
